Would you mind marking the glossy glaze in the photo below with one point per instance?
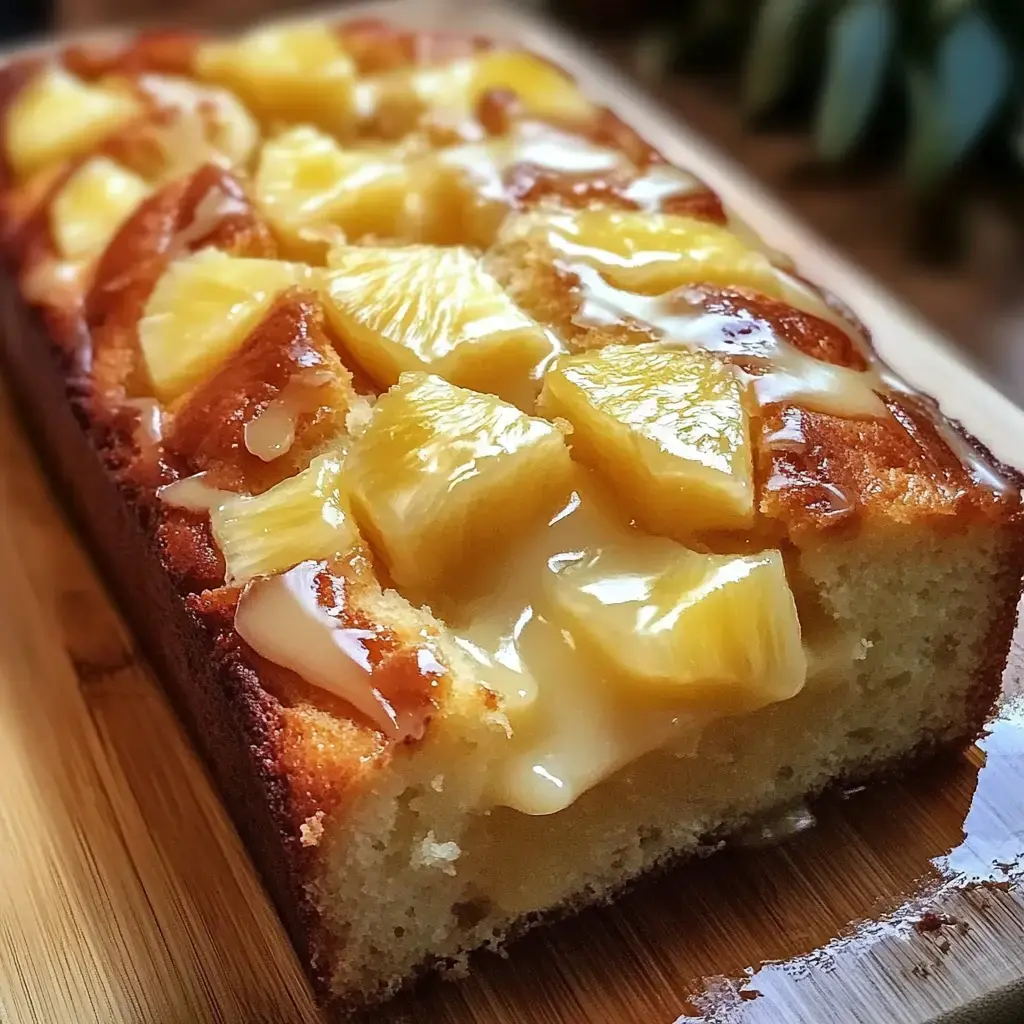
(193, 493)
(669, 431)
(586, 633)
(271, 433)
(300, 620)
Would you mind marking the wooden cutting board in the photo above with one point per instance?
(126, 896)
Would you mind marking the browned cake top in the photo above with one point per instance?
(237, 246)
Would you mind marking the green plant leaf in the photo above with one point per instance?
(974, 72)
(769, 63)
(927, 148)
(952, 106)
(859, 43)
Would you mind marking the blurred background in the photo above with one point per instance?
(895, 127)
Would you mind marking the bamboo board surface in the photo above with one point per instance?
(125, 896)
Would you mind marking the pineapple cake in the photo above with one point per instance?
(505, 518)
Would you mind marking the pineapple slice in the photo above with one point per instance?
(202, 310)
(668, 430)
(57, 116)
(442, 478)
(309, 188)
(652, 253)
(717, 632)
(286, 73)
(399, 98)
(303, 517)
(421, 307)
(88, 210)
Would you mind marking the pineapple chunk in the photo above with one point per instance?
(400, 97)
(395, 102)
(57, 116)
(668, 430)
(206, 123)
(442, 478)
(468, 187)
(718, 632)
(543, 89)
(309, 188)
(422, 307)
(91, 206)
(652, 253)
(303, 517)
(286, 73)
(202, 310)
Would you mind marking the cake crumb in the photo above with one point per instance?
(311, 831)
(432, 854)
(437, 783)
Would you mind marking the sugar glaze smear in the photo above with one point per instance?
(778, 371)
(572, 723)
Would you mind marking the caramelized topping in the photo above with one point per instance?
(271, 432)
(165, 52)
(209, 208)
(783, 372)
(821, 471)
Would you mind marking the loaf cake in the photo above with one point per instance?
(504, 517)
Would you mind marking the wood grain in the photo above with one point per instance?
(128, 898)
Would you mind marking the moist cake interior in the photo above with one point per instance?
(562, 526)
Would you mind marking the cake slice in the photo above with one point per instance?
(505, 524)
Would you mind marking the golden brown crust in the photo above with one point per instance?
(209, 426)
(287, 753)
(820, 472)
(187, 550)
